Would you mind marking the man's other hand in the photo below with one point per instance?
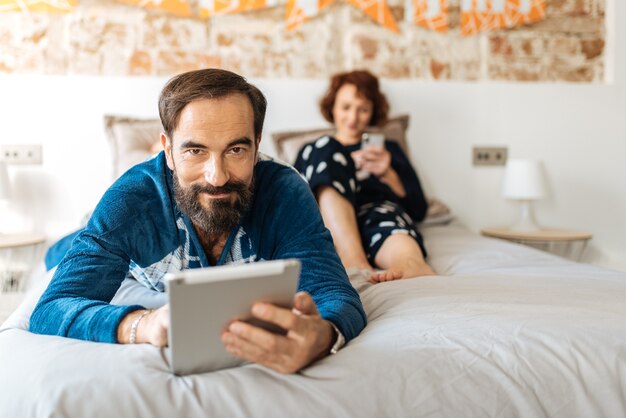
(308, 338)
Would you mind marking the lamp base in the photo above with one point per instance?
(526, 221)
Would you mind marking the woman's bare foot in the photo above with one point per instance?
(385, 276)
(408, 270)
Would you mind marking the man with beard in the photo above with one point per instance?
(208, 199)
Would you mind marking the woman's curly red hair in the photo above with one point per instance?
(367, 85)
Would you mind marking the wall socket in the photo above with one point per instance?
(21, 154)
(489, 155)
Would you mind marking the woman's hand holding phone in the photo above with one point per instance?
(373, 157)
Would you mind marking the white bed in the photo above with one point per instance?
(503, 331)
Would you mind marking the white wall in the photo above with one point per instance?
(579, 131)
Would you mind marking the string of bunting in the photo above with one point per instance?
(37, 6)
(476, 15)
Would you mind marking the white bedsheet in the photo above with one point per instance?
(504, 331)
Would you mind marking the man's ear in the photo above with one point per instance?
(167, 147)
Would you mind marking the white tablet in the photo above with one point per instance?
(204, 301)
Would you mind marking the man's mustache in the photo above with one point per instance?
(231, 186)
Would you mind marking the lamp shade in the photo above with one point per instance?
(5, 184)
(523, 180)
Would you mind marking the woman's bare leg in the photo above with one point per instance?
(340, 219)
(401, 257)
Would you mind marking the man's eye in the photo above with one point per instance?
(194, 151)
(236, 150)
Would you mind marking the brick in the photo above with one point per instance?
(533, 47)
(564, 45)
(164, 31)
(500, 45)
(507, 72)
(93, 29)
(224, 40)
(369, 47)
(567, 7)
(9, 24)
(8, 59)
(465, 56)
(173, 62)
(263, 49)
(31, 61)
(439, 70)
(592, 48)
(375, 50)
(56, 59)
(578, 25)
(140, 63)
(564, 72)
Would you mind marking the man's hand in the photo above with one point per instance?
(309, 337)
(152, 328)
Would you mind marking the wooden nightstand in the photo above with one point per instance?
(19, 253)
(568, 244)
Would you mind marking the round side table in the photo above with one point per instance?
(19, 253)
(568, 244)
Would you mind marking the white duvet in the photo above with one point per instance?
(503, 331)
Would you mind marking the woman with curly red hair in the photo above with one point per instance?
(370, 197)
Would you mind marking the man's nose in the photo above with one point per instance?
(215, 172)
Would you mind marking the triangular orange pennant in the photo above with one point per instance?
(378, 10)
(430, 14)
(488, 15)
(298, 11)
(175, 7)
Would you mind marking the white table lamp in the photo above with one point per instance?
(524, 181)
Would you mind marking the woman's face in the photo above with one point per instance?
(352, 113)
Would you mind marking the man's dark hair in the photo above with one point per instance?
(210, 83)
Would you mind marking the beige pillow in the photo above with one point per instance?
(131, 140)
(288, 143)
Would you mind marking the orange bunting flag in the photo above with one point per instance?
(298, 11)
(487, 15)
(38, 6)
(378, 10)
(175, 7)
(430, 14)
(210, 8)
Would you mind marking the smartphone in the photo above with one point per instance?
(369, 140)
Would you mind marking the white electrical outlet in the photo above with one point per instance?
(21, 154)
(489, 155)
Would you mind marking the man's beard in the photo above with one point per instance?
(221, 215)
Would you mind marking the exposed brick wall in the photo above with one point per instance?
(107, 38)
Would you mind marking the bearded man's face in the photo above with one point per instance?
(212, 153)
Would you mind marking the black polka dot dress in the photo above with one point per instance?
(380, 212)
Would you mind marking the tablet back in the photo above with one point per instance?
(203, 302)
